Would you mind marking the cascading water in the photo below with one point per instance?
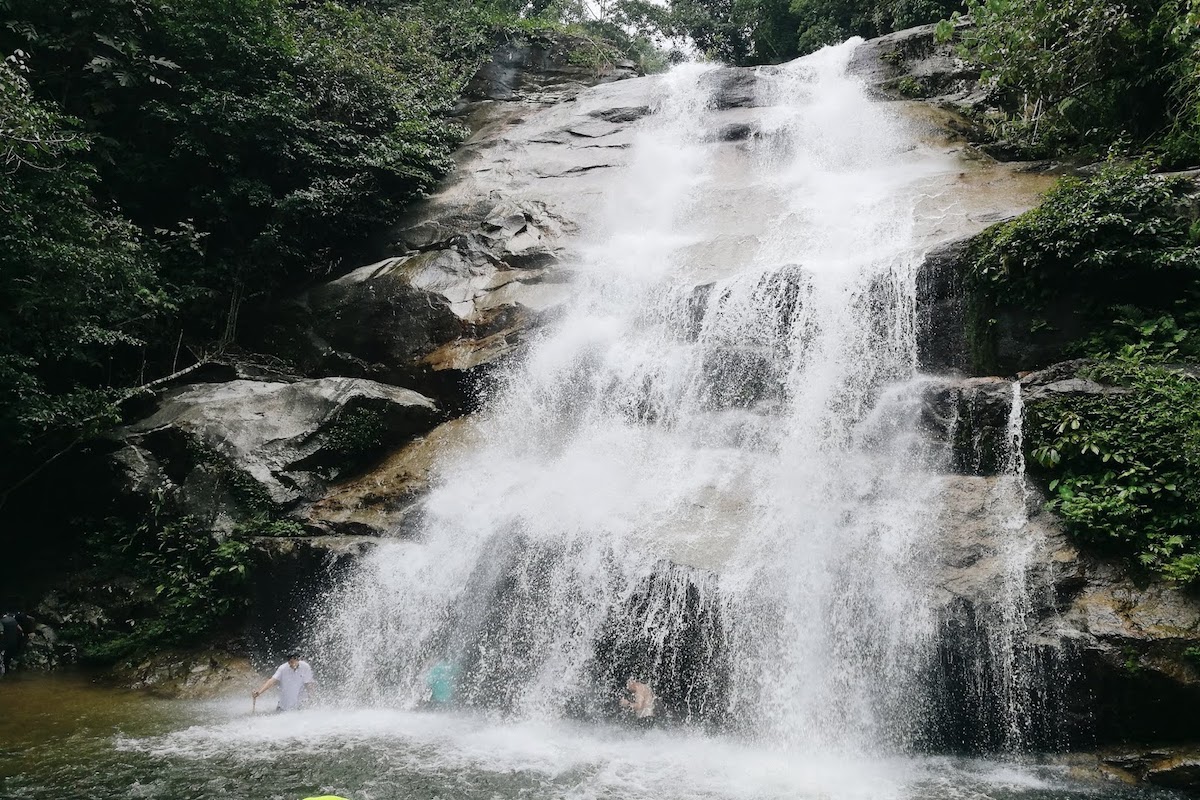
(708, 473)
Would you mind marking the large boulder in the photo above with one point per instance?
(912, 63)
(457, 300)
(222, 451)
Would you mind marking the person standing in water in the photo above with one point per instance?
(641, 702)
(441, 678)
(15, 630)
(294, 677)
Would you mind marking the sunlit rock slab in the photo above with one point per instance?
(386, 500)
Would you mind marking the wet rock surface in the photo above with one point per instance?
(942, 344)
(970, 419)
(292, 576)
(1114, 647)
(1175, 767)
(1018, 339)
(458, 300)
(215, 447)
(386, 500)
(912, 63)
(190, 674)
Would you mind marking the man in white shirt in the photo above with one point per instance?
(294, 677)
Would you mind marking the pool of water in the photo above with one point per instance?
(63, 738)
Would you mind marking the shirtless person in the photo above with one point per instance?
(642, 703)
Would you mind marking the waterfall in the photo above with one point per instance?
(708, 472)
(1019, 666)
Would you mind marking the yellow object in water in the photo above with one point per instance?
(325, 797)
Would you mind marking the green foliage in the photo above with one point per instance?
(356, 433)
(1118, 245)
(910, 87)
(1124, 468)
(165, 165)
(1078, 75)
(77, 282)
(187, 584)
(168, 168)
(1118, 249)
(266, 525)
(772, 31)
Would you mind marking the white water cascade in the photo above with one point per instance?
(708, 472)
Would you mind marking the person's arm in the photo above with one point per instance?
(267, 684)
(310, 682)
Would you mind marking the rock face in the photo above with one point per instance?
(1172, 767)
(291, 578)
(541, 71)
(942, 344)
(386, 501)
(222, 449)
(1016, 340)
(458, 300)
(970, 417)
(1131, 643)
(190, 674)
(1112, 654)
(1117, 651)
(912, 63)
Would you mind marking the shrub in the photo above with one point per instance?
(1120, 245)
(1124, 469)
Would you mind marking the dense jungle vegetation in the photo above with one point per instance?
(1116, 257)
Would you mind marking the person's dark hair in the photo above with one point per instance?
(293, 655)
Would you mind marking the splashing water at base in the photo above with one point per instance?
(65, 739)
(708, 473)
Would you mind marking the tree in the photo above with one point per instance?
(77, 286)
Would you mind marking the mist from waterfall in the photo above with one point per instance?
(708, 472)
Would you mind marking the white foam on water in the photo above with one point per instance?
(577, 761)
